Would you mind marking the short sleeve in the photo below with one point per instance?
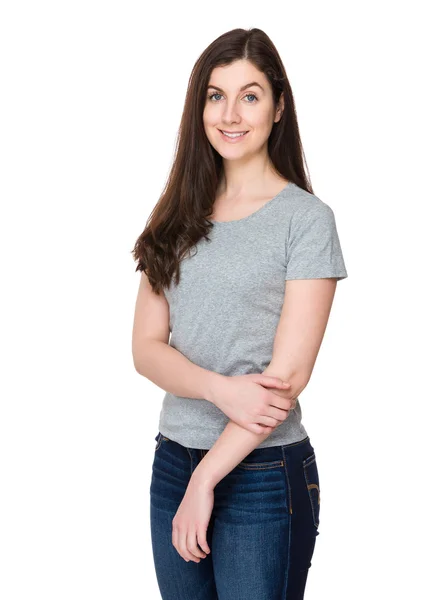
(313, 245)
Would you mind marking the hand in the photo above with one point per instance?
(191, 521)
(247, 401)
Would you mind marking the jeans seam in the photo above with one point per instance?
(288, 482)
(159, 442)
(260, 466)
(305, 439)
(206, 583)
(191, 459)
(287, 570)
(309, 487)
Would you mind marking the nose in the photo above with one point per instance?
(230, 113)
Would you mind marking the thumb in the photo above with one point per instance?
(269, 381)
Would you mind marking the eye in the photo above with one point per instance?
(211, 96)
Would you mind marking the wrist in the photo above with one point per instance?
(213, 381)
(200, 479)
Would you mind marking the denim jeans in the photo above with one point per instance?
(262, 530)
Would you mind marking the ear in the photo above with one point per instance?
(280, 108)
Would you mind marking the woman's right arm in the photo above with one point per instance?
(155, 359)
(170, 370)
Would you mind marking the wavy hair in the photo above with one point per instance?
(180, 217)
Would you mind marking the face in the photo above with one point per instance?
(239, 100)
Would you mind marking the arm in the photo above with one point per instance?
(303, 321)
(169, 369)
(153, 358)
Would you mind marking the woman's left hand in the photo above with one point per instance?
(191, 520)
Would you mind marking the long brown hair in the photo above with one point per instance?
(180, 217)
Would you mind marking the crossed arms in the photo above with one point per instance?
(302, 324)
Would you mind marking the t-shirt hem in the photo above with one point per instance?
(337, 276)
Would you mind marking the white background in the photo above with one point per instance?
(91, 98)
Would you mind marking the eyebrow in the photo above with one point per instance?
(248, 85)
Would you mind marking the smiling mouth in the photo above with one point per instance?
(233, 134)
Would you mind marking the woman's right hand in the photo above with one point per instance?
(246, 400)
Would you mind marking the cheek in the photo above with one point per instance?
(211, 115)
(208, 126)
(262, 120)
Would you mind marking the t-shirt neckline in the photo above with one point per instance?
(256, 212)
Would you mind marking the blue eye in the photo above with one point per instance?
(211, 96)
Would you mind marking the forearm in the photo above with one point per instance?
(236, 442)
(231, 447)
(170, 370)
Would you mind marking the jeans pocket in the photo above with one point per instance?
(261, 459)
(253, 466)
(313, 486)
(159, 439)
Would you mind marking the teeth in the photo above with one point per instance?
(233, 135)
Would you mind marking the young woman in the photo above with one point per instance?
(239, 261)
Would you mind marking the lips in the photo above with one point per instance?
(232, 132)
(235, 139)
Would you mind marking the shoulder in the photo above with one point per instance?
(300, 206)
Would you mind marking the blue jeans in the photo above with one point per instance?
(262, 530)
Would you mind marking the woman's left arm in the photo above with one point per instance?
(302, 324)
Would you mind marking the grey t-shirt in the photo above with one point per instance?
(225, 310)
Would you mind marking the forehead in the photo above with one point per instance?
(239, 73)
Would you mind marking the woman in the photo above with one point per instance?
(239, 261)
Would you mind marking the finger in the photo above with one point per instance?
(278, 413)
(192, 544)
(260, 429)
(183, 550)
(268, 421)
(274, 381)
(176, 537)
(201, 540)
(174, 540)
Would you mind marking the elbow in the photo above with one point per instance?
(139, 357)
(142, 353)
(135, 362)
(134, 356)
(297, 378)
(298, 382)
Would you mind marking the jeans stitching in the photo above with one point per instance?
(287, 571)
(259, 466)
(305, 439)
(311, 486)
(160, 438)
(191, 459)
(288, 482)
